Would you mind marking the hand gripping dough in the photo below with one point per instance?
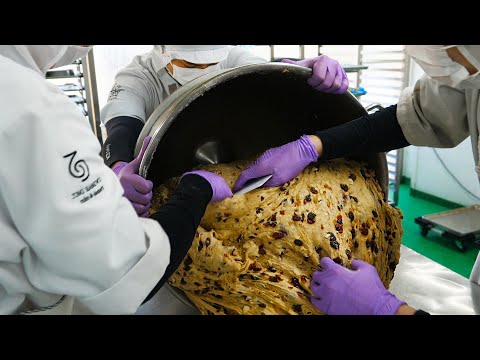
(255, 253)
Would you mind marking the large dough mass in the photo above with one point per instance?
(255, 253)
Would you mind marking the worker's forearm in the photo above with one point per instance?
(122, 135)
(115, 164)
(405, 310)
(318, 144)
(180, 217)
(378, 132)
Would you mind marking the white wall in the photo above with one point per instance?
(432, 178)
(428, 175)
(409, 161)
(109, 59)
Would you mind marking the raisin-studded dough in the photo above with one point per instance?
(255, 253)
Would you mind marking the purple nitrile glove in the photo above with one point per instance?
(136, 188)
(283, 162)
(220, 188)
(116, 169)
(327, 76)
(341, 291)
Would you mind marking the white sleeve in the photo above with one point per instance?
(431, 114)
(239, 56)
(83, 238)
(130, 96)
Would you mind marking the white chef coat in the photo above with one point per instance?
(431, 114)
(142, 85)
(65, 228)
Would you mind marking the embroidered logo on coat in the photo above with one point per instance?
(107, 152)
(79, 169)
(172, 88)
(114, 92)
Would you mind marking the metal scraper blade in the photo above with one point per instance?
(253, 184)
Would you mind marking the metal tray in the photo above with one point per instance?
(77, 99)
(460, 225)
(460, 221)
(353, 68)
(60, 74)
(71, 87)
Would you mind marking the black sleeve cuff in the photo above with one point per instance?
(122, 135)
(180, 217)
(378, 132)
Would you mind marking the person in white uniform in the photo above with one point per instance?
(441, 110)
(149, 79)
(69, 239)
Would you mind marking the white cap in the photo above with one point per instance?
(198, 54)
(40, 58)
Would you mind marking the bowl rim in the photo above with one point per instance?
(180, 295)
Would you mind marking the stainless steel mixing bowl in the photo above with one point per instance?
(237, 113)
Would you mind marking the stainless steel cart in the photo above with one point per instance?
(460, 225)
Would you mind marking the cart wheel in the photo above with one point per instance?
(460, 245)
(424, 231)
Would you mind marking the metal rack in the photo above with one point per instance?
(78, 82)
(394, 163)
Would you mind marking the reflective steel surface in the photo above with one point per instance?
(236, 114)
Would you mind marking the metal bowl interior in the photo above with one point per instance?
(243, 112)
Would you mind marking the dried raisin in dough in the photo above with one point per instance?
(255, 253)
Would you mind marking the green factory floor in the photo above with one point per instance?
(433, 246)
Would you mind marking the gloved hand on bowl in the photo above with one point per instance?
(327, 74)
